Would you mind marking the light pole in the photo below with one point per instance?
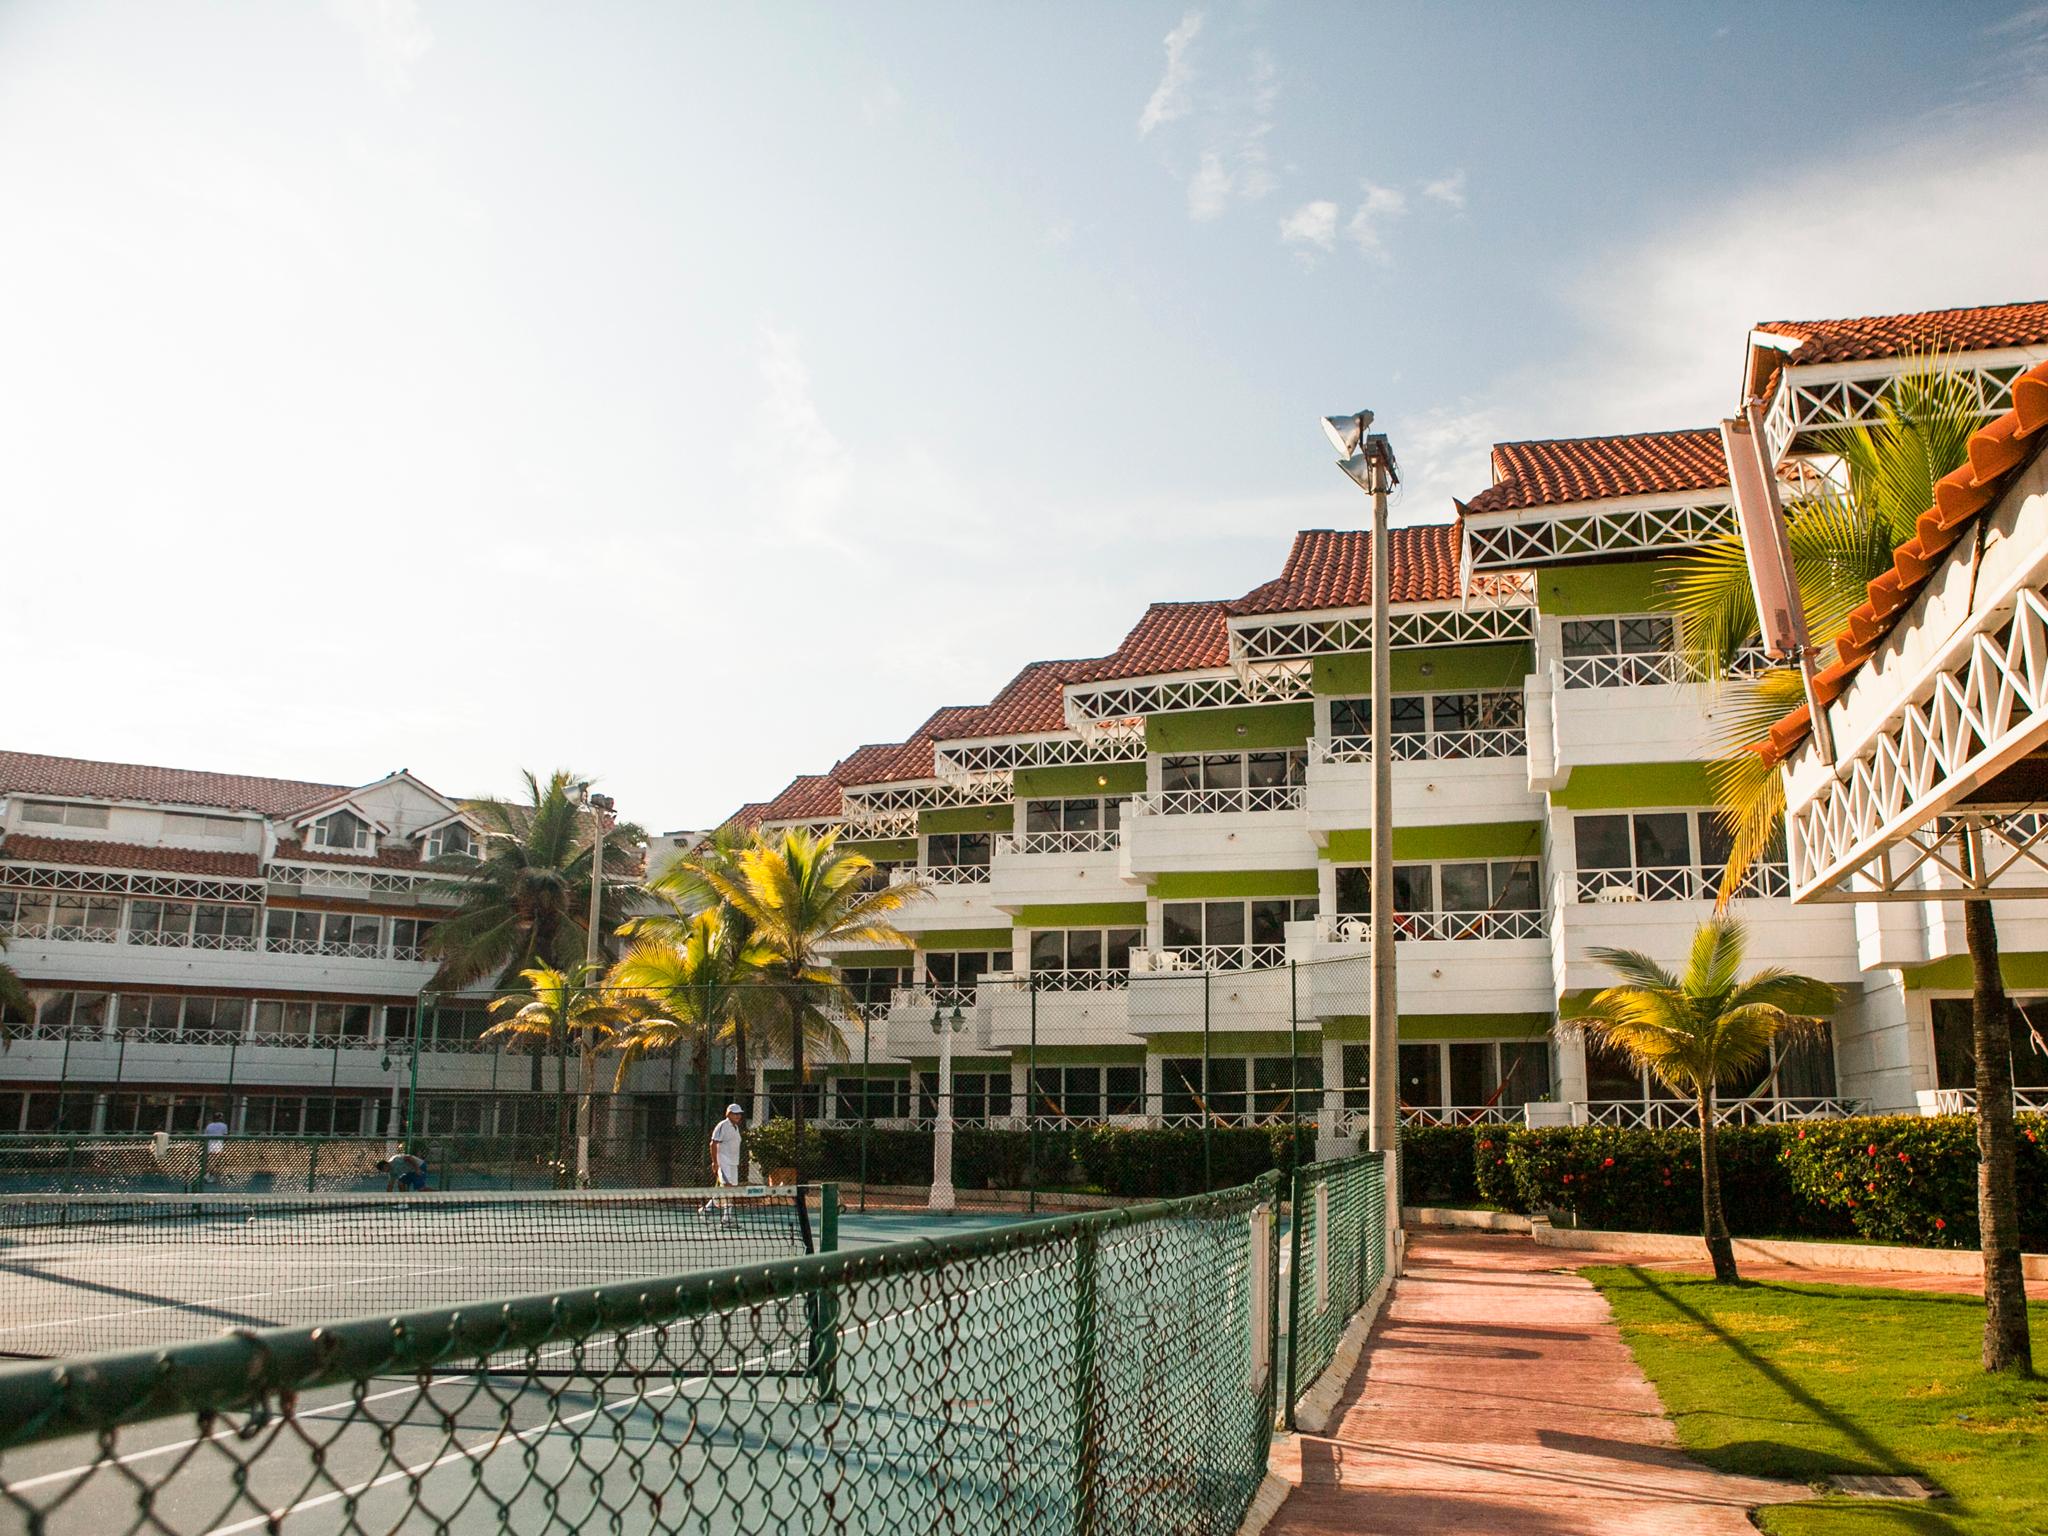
(942, 1130)
(600, 808)
(1368, 459)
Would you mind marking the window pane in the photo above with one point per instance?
(1084, 950)
(1663, 840)
(1081, 815)
(2029, 1044)
(1472, 1072)
(1352, 717)
(1588, 637)
(1118, 944)
(1955, 1060)
(1269, 921)
(1223, 771)
(1514, 886)
(939, 970)
(1411, 715)
(1266, 770)
(1126, 1090)
(972, 847)
(1354, 890)
(1715, 842)
(1414, 888)
(1640, 635)
(1422, 1075)
(1454, 711)
(1048, 951)
(1180, 1079)
(1041, 816)
(1180, 773)
(1223, 922)
(1602, 841)
(1525, 1071)
(1609, 1075)
(1466, 888)
(1181, 924)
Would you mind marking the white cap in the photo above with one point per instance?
(734, 1109)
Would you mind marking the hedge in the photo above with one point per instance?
(1890, 1178)
(1117, 1160)
(1437, 1164)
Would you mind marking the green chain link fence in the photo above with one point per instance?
(1337, 1245)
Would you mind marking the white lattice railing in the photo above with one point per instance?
(940, 874)
(171, 938)
(1074, 981)
(74, 933)
(1462, 1114)
(1352, 928)
(1648, 669)
(38, 877)
(64, 933)
(1427, 746)
(337, 949)
(1219, 802)
(1626, 886)
(925, 999)
(1195, 958)
(1963, 1101)
(1672, 1114)
(1096, 840)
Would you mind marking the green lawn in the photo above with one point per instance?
(1800, 1381)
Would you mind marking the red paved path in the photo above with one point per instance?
(1497, 1399)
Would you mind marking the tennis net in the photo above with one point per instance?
(86, 1273)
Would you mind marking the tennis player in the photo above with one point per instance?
(726, 1143)
(403, 1171)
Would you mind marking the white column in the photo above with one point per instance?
(942, 1133)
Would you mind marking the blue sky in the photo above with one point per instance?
(689, 394)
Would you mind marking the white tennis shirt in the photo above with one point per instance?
(726, 1137)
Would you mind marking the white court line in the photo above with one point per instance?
(197, 1302)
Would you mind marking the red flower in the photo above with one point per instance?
(1802, 1133)
(1871, 1187)
(1873, 1149)
(1608, 1163)
(1567, 1178)
(1850, 1203)
(1939, 1224)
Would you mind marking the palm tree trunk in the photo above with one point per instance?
(796, 1070)
(2007, 1346)
(1713, 1219)
(587, 1090)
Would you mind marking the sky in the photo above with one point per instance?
(688, 394)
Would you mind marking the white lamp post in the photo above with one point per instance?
(1368, 459)
(942, 1131)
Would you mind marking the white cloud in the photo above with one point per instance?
(880, 103)
(1448, 190)
(1170, 97)
(394, 35)
(1380, 206)
(1311, 224)
(1209, 189)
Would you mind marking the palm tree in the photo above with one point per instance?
(1840, 542)
(556, 1006)
(1699, 1030)
(525, 901)
(13, 995)
(697, 990)
(801, 893)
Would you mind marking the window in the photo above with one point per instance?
(58, 813)
(955, 849)
(1215, 782)
(1084, 950)
(1624, 652)
(1955, 1059)
(1234, 933)
(212, 828)
(1421, 722)
(86, 917)
(217, 926)
(872, 987)
(80, 1011)
(1421, 1071)
(341, 832)
(1662, 856)
(138, 1013)
(1087, 1093)
(409, 937)
(323, 933)
(451, 842)
(226, 1015)
(976, 1095)
(1466, 899)
(886, 1098)
(953, 974)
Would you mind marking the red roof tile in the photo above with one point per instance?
(1998, 451)
(32, 773)
(1333, 569)
(1559, 471)
(1171, 637)
(1983, 328)
(807, 797)
(89, 854)
(1029, 703)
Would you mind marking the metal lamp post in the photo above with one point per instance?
(601, 808)
(1368, 459)
(942, 1129)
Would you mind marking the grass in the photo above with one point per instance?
(1800, 1381)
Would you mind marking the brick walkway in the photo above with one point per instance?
(1497, 1399)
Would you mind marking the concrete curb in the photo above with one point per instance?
(1266, 1501)
(1872, 1257)
(1312, 1415)
(1462, 1220)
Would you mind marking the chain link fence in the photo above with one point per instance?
(1337, 1258)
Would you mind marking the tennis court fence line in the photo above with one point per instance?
(1118, 1371)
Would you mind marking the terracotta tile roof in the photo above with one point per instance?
(807, 797)
(1998, 451)
(97, 855)
(1171, 637)
(32, 773)
(1332, 568)
(1981, 329)
(750, 815)
(1562, 470)
(1029, 703)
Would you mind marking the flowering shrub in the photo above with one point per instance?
(1911, 1179)
(1649, 1181)
(1491, 1174)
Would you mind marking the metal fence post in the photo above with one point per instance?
(1087, 1431)
(867, 1047)
(825, 1301)
(1294, 1207)
(1293, 1072)
(1208, 1093)
(1030, 1094)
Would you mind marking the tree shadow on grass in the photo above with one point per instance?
(1776, 1458)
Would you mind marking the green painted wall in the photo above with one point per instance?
(962, 1063)
(1464, 840)
(1451, 666)
(885, 848)
(1185, 885)
(964, 938)
(1235, 1042)
(967, 818)
(2023, 969)
(1215, 730)
(1617, 587)
(1083, 1055)
(1356, 1029)
(871, 958)
(1611, 786)
(1086, 914)
(1044, 783)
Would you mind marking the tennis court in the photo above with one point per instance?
(993, 1383)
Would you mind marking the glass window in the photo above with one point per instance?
(1227, 1076)
(1041, 815)
(1422, 1075)
(1473, 1074)
(1180, 1081)
(1466, 888)
(1223, 922)
(1414, 888)
(1270, 920)
(1514, 886)
(1350, 717)
(398, 1020)
(1266, 770)
(140, 1011)
(1644, 634)
(1602, 842)
(1049, 951)
(1408, 715)
(1084, 950)
(1356, 1065)
(1081, 815)
(1609, 1074)
(1588, 637)
(1181, 924)
(1117, 946)
(944, 848)
(55, 813)
(1180, 773)
(341, 830)
(1123, 1090)
(1524, 1071)
(1354, 890)
(1663, 840)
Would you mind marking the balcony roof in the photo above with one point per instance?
(1561, 471)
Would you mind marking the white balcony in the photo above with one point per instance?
(954, 896)
(1676, 1114)
(1230, 997)
(1474, 776)
(1258, 827)
(1647, 707)
(1963, 1101)
(1050, 868)
(1444, 962)
(107, 957)
(1069, 1010)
